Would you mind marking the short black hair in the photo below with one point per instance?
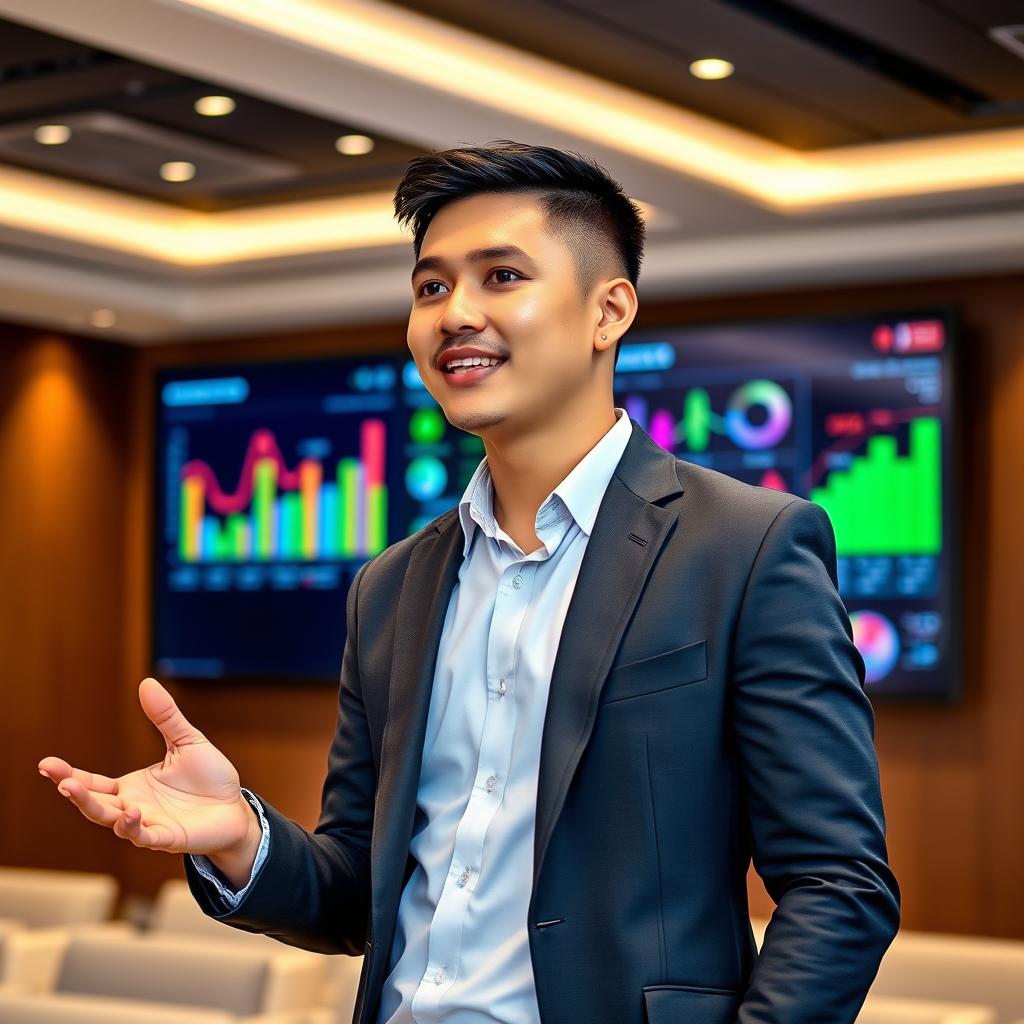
(601, 225)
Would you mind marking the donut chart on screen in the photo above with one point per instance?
(878, 642)
(777, 405)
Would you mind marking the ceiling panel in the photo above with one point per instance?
(936, 37)
(45, 79)
(807, 89)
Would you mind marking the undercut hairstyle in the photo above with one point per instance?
(582, 203)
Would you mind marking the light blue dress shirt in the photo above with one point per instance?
(461, 953)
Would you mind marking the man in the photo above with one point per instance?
(574, 706)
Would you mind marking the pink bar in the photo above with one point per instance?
(372, 455)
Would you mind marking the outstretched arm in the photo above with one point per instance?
(804, 728)
(312, 889)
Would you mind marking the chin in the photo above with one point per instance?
(474, 421)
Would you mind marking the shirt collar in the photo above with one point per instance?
(577, 497)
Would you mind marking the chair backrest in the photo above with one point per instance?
(43, 899)
(176, 912)
(66, 1009)
(953, 968)
(298, 978)
(166, 969)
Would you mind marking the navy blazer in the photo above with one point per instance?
(707, 706)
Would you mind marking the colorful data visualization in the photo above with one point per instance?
(854, 414)
(274, 486)
(287, 514)
(275, 482)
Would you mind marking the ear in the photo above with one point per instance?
(616, 308)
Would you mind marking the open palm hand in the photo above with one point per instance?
(188, 803)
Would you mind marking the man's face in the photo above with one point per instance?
(516, 297)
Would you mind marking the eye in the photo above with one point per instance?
(505, 270)
(427, 284)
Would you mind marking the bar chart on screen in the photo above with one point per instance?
(280, 513)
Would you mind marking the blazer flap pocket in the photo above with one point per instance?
(676, 1004)
(664, 671)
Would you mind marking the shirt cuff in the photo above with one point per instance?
(205, 866)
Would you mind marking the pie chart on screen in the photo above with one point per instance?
(878, 642)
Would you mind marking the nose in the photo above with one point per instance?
(460, 314)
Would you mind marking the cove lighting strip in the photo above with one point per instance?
(448, 59)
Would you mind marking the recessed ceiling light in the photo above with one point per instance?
(52, 134)
(177, 170)
(711, 68)
(353, 145)
(214, 106)
(103, 318)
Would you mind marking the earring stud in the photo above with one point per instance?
(604, 337)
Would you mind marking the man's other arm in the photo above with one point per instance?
(805, 734)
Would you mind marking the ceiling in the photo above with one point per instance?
(810, 74)
(854, 142)
(127, 117)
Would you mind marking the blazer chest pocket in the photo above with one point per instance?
(668, 670)
(671, 1004)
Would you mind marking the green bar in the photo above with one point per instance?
(376, 519)
(697, 419)
(291, 525)
(839, 511)
(348, 504)
(221, 544)
(881, 455)
(860, 513)
(925, 452)
(236, 537)
(183, 552)
(264, 492)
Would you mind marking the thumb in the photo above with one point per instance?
(161, 710)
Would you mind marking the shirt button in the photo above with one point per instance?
(439, 976)
(491, 782)
(501, 687)
(517, 581)
(463, 878)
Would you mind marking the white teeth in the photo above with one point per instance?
(471, 362)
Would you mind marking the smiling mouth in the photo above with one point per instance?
(457, 370)
(471, 374)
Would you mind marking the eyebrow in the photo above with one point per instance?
(494, 252)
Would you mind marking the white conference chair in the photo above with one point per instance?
(45, 899)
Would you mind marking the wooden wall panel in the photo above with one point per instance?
(62, 513)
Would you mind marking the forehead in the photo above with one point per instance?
(515, 218)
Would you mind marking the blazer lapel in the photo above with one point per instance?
(628, 534)
(430, 577)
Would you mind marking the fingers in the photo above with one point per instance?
(150, 836)
(102, 809)
(58, 770)
(161, 710)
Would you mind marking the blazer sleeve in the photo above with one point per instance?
(804, 730)
(313, 888)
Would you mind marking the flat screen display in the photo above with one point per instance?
(854, 414)
(276, 481)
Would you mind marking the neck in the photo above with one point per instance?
(526, 468)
